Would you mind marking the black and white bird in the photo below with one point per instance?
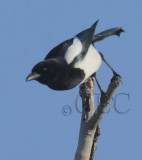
(72, 62)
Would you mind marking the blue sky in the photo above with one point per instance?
(32, 125)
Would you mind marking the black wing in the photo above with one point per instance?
(60, 50)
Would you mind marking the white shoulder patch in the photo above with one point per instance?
(91, 62)
(73, 50)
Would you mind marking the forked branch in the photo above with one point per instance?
(89, 129)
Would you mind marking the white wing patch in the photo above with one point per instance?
(91, 62)
(74, 50)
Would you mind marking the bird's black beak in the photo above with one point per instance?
(32, 76)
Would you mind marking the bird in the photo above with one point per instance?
(73, 61)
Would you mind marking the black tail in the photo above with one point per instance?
(107, 33)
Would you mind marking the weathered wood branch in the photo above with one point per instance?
(89, 131)
(94, 144)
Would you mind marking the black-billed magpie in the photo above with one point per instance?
(73, 61)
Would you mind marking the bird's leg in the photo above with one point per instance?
(99, 86)
(114, 72)
(103, 94)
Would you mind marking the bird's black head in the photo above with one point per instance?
(41, 72)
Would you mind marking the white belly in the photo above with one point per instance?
(91, 62)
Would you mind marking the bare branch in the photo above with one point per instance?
(86, 135)
(94, 145)
(105, 99)
(89, 132)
